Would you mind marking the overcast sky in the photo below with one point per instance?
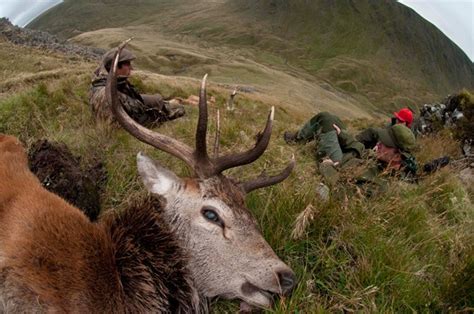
(21, 12)
(455, 18)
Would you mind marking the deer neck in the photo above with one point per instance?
(144, 245)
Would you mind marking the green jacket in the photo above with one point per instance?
(369, 136)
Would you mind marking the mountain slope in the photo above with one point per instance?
(374, 55)
(370, 30)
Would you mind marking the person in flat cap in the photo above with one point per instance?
(148, 110)
(337, 150)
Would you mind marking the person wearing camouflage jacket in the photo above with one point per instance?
(148, 110)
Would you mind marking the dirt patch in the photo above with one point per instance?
(63, 174)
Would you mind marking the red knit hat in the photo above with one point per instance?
(404, 115)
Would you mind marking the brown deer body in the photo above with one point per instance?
(52, 258)
(201, 241)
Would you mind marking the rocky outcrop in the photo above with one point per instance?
(44, 40)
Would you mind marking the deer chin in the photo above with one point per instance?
(255, 296)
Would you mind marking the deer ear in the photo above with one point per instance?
(157, 179)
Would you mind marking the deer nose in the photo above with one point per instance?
(287, 281)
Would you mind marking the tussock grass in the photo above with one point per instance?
(24, 67)
(408, 250)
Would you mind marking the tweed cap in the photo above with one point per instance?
(125, 55)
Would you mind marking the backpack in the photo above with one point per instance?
(410, 166)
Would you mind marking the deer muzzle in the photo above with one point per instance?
(261, 294)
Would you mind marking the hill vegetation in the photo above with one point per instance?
(407, 250)
(366, 56)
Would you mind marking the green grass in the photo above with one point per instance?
(407, 250)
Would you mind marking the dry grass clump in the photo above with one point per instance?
(302, 222)
(433, 146)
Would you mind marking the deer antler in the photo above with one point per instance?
(218, 134)
(160, 141)
(230, 102)
(230, 161)
(197, 159)
(263, 181)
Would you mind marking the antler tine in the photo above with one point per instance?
(263, 181)
(125, 43)
(157, 140)
(230, 161)
(218, 134)
(201, 131)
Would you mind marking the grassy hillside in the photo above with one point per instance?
(374, 55)
(291, 91)
(409, 250)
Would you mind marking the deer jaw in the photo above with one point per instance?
(229, 257)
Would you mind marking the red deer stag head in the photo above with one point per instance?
(228, 256)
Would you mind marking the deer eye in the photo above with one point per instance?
(212, 216)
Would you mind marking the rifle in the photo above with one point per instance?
(441, 162)
(436, 164)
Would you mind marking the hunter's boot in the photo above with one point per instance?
(173, 111)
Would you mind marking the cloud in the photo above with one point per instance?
(21, 12)
(453, 17)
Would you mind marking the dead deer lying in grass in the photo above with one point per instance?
(203, 242)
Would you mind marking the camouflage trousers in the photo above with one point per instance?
(166, 110)
(320, 127)
(152, 111)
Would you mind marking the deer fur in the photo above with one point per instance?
(53, 259)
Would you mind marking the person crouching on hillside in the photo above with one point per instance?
(338, 150)
(148, 110)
